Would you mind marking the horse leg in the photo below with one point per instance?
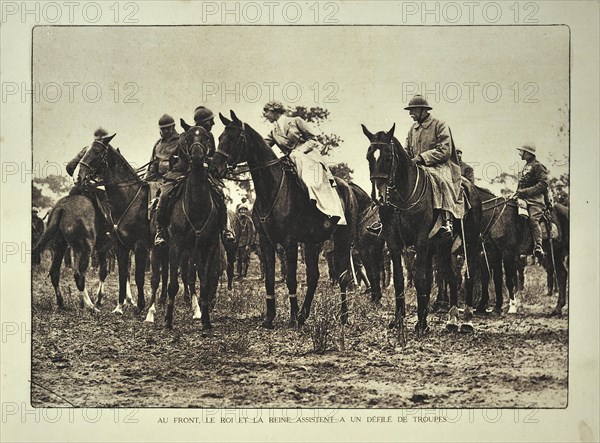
(82, 254)
(174, 260)
(230, 254)
(268, 253)
(398, 275)
(164, 274)
(155, 261)
(185, 276)
(561, 276)
(103, 272)
(291, 257)
(141, 257)
(60, 247)
(510, 275)
(123, 263)
(208, 274)
(484, 277)
(423, 279)
(473, 246)
(311, 253)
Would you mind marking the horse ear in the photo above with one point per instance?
(233, 116)
(224, 119)
(367, 132)
(106, 140)
(184, 125)
(390, 133)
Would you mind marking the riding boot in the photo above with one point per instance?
(447, 229)
(536, 231)
(161, 215)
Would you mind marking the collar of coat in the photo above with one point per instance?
(425, 124)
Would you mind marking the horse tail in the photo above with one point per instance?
(50, 231)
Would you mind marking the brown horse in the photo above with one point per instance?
(128, 197)
(73, 223)
(286, 216)
(405, 191)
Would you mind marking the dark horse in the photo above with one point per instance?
(194, 226)
(369, 245)
(405, 192)
(128, 197)
(73, 223)
(502, 234)
(286, 216)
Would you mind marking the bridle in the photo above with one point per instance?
(390, 187)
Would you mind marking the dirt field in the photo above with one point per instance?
(106, 360)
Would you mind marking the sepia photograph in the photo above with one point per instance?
(259, 215)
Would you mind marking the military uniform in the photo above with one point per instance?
(533, 188)
(244, 233)
(467, 172)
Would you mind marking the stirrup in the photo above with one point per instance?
(375, 228)
(159, 239)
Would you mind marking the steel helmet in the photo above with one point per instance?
(202, 114)
(165, 121)
(418, 101)
(527, 148)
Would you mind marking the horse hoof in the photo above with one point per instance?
(301, 320)
(555, 313)
(421, 329)
(267, 324)
(441, 308)
(206, 326)
(169, 326)
(451, 327)
(467, 328)
(118, 310)
(481, 312)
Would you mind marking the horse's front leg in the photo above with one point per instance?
(473, 246)
(291, 258)
(208, 274)
(423, 279)
(82, 254)
(102, 273)
(268, 253)
(311, 258)
(174, 260)
(60, 246)
(123, 263)
(141, 257)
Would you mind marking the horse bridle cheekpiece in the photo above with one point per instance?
(189, 149)
(98, 161)
(241, 138)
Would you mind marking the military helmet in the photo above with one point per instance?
(100, 133)
(202, 114)
(275, 106)
(35, 210)
(418, 101)
(165, 121)
(528, 148)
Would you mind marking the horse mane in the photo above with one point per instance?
(117, 153)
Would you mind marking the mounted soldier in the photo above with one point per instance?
(466, 170)
(533, 188)
(163, 171)
(205, 118)
(295, 138)
(429, 143)
(90, 189)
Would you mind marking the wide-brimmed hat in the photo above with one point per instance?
(165, 121)
(527, 148)
(418, 101)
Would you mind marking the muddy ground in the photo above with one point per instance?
(109, 360)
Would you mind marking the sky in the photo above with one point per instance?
(496, 87)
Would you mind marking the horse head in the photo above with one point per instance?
(232, 146)
(382, 159)
(95, 161)
(195, 145)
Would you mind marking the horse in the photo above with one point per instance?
(370, 246)
(286, 216)
(194, 227)
(127, 194)
(502, 234)
(556, 251)
(405, 193)
(73, 223)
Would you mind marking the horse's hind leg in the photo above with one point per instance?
(561, 276)
(123, 263)
(60, 247)
(311, 253)
(268, 253)
(423, 280)
(82, 260)
(102, 273)
(398, 276)
(291, 257)
(174, 260)
(155, 262)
